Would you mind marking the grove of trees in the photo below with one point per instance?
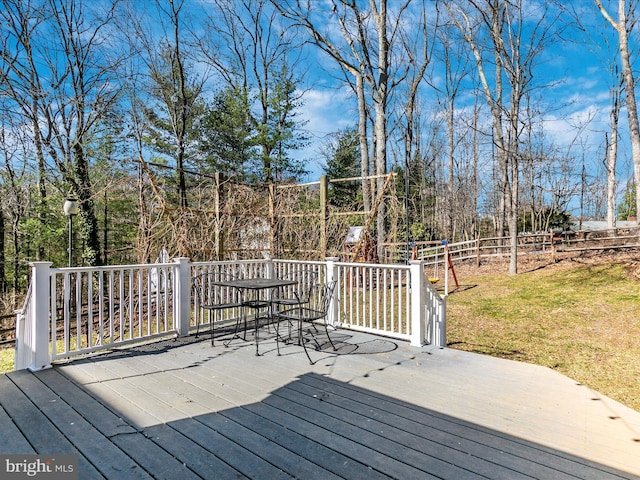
(145, 110)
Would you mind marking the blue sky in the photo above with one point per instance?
(577, 93)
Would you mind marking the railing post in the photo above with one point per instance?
(39, 316)
(333, 318)
(440, 324)
(416, 286)
(269, 267)
(183, 296)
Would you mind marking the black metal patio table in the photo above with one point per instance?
(253, 286)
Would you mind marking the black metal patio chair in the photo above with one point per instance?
(294, 295)
(213, 299)
(315, 310)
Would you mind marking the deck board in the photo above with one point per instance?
(201, 460)
(11, 439)
(43, 435)
(422, 438)
(259, 420)
(377, 409)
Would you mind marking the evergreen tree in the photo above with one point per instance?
(228, 141)
(173, 119)
(343, 161)
(627, 207)
(280, 132)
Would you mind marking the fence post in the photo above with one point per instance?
(333, 318)
(273, 233)
(182, 282)
(324, 201)
(217, 230)
(39, 317)
(416, 286)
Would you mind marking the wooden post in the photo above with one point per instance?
(333, 318)
(440, 326)
(182, 297)
(217, 231)
(272, 220)
(416, 284)
(324, 201)
(39, 328)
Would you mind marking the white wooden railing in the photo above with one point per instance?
(77, 311)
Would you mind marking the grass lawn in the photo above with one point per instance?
(6, 359)
(579, 316)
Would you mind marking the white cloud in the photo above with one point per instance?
(326, 111)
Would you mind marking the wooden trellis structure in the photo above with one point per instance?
(233, 220)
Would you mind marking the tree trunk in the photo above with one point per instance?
(89, 226)
(632, 110)
(364, 143)
(612, 154)
(3, 278)
(380, 101)
(629, 84)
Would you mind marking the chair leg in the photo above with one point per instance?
(304, 344)
(326, 329)
(242, 318)
(277, 327)
(256, 322)
(212, 327)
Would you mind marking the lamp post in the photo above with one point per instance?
(70, 208)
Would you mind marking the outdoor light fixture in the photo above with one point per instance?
(70, 208)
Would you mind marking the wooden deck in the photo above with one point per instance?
(379, 409)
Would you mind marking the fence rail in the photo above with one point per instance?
(77, 311)
(439, 257)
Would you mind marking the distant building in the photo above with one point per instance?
(594, 225)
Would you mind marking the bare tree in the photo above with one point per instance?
(611, 149)
(454, 54)
(21, 82)
(164, 40)
(14, 188)
(369, 50)
(62, 76)
(623, 26)
(607, 51)
(513, 56)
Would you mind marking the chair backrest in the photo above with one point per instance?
(305, 280)
(321, 295)
(205, 292)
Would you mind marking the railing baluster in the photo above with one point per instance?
(100, 301)
(78, 311)
(89, 309)
(121, 300)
